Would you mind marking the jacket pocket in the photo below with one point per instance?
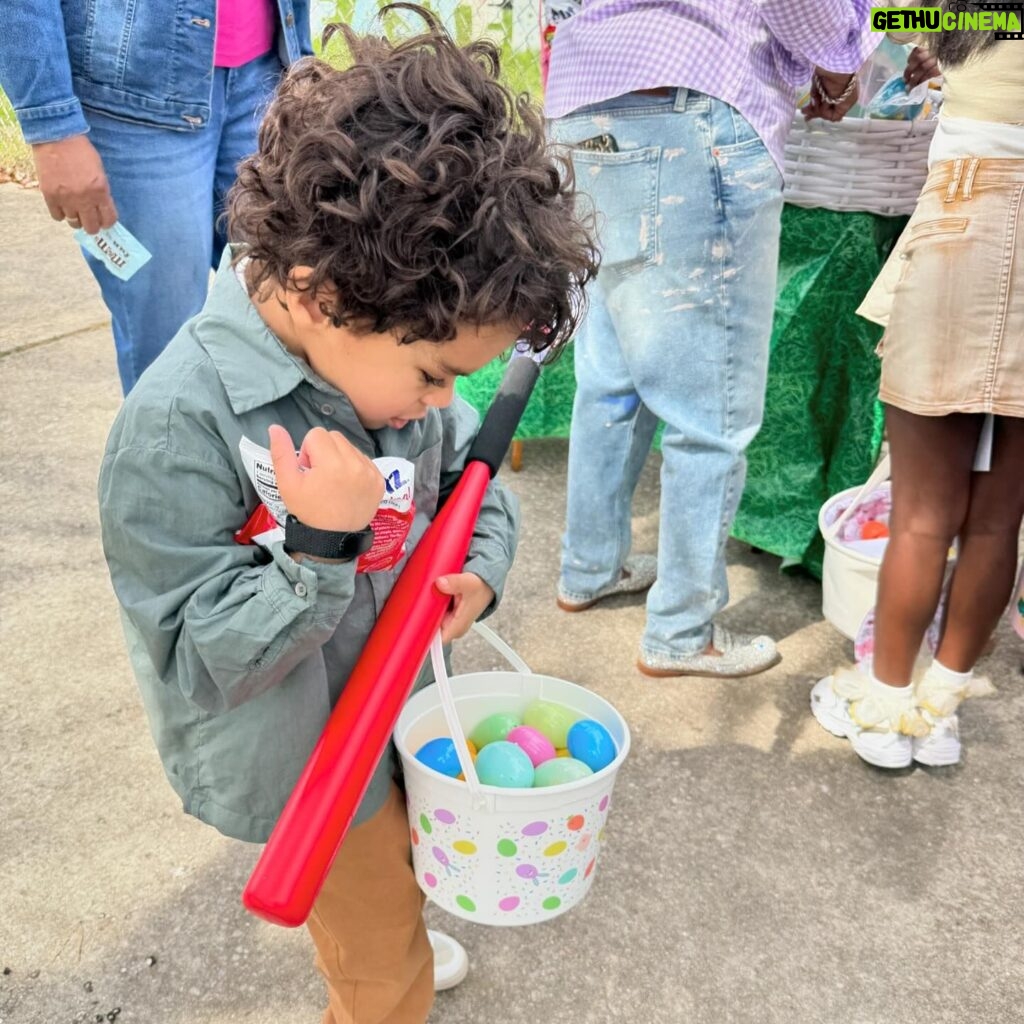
(622, 190)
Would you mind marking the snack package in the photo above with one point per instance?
(894, 102)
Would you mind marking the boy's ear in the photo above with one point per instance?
(306, 306)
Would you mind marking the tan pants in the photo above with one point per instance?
(367, 924)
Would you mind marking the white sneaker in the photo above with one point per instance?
(878, 733)
(451, 964)
(941, 747)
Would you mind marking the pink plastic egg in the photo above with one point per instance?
(537, 747)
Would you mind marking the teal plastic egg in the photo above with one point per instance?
(591, 743)
(493, 728)
(440, 755)
(553, 720)
(560, 770)
(504, 764)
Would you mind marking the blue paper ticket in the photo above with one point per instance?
(121, 252)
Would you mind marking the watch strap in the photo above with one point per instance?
(338, 545)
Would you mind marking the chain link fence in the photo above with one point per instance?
(513, 24)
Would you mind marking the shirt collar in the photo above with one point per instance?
(253, 365)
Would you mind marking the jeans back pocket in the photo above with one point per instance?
(622, 190)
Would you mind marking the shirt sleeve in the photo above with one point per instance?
(496, 534)
(214, 618)
(35, 71)
(832, 34)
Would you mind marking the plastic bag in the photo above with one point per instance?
(894, 102)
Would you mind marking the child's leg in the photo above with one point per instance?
(367, 924)
(931, 478)
(984, 577)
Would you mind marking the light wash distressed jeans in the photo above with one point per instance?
(169, 189)
(678, 331)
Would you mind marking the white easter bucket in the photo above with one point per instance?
(849, 578)
(502, 856)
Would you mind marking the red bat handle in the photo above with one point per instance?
(315, 820)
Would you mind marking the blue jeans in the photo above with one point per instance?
(688, 214)
(169, 188)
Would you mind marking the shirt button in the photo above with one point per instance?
(327, 409)
(300, 590)
(289, 20)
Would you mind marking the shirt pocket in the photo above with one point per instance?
(622, 190)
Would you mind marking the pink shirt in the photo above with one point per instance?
(245, 30)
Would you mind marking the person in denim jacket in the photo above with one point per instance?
(401, 224)
(140, 113)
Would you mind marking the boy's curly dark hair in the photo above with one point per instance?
(419, 190)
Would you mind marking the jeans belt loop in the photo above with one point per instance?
(682, 96)
(958, 170)
(972, 170)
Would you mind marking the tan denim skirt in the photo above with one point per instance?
(951, 295)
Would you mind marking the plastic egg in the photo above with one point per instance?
(504, 764)
(440, 755)
(873, 530)
(591, 743)
(553, 720)
(537, 746)
(493, 728)
(471, 747)
(560, 770)
(561, 752)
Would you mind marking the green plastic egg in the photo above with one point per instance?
(494, 728)
(560, 770)
(554, 720)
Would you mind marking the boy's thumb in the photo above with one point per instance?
(444, 585)
(282, 454)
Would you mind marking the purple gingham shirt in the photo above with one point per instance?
(753, 54)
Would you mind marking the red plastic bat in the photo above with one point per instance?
(315, 820)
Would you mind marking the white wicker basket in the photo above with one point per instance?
(859, 163)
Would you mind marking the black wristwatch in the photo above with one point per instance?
(338, 545)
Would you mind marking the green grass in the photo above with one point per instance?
(15, 156)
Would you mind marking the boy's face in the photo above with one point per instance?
(390, 384)
(387, 383)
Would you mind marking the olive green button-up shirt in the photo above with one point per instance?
(240, 657)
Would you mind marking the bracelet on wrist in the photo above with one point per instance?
(819, 85)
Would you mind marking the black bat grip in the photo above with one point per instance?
(505, 412)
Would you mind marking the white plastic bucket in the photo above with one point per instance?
(503, 856)
(849, 579)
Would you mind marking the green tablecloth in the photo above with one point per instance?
(823, 424)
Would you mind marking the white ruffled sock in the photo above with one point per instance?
(940, 673)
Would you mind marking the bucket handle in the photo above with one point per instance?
(881, 472)
(451, 716)
(502, 648)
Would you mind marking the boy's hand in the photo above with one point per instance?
(330, 484)
(470, 598)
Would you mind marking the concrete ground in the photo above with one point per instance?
(756, 871)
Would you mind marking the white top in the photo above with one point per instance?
(957, 137)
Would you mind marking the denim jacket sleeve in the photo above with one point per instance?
(35, 71)
(497, 529)
(214, 619)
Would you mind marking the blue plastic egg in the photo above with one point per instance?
(504, 764)
(591, 743)
(440, 755)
